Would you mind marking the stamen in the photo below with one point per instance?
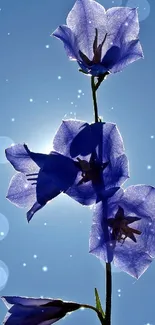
(91, 171)
(98, 49)
(120, 228)
(95, 41)
(85, 58)
(32, 178)
(32, 174)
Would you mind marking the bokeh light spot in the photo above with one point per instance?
(112, 3)
(142, 6)
(4, 274)
(4, 226)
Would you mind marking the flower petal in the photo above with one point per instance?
(60, 169)
(23, 160)
(27, 311)
(83, 193)
(78, 138)
(25, 301)
(46, 189)
(129, 53)
(72, 138)
(21, 192)
(83, 19)
(111, 57)
(132, 260)
(132, 257)
(58, 174)
(106, 140)
(65, 34)
(36, 207)
(100, 241)
(117, 172)
(123, 25)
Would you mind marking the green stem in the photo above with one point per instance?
(108, 294)
(93, 87)
(107, 320)
(96, 310)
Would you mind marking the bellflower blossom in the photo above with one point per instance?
(97, 150)
(40, 177)
(36, 311)
(123, 229)
(101, 41)
(88, 163)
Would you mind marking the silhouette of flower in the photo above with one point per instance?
(101, 41)
(98, 152)
(40, 177)
(36, 311)
(123, 229)
(88, 163)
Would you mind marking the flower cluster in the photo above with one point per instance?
(88, 161)
(88, 164)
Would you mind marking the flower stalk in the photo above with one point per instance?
(107, 320)
(108, 294)
(102, 320)
(93, 87)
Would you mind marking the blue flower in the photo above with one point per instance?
(36, 311)
(88, 163)
(123, 229)
(101, 41)
(98, 152)
(40, 177)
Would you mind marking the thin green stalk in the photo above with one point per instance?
(107, 320)
(97, 311)
(108, 294)
(93, 87)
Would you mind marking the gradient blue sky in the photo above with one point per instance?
(38, 88)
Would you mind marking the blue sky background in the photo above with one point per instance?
(39, 87)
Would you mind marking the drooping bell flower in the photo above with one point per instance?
(101, 41)
(123, 229)
(36, 311)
